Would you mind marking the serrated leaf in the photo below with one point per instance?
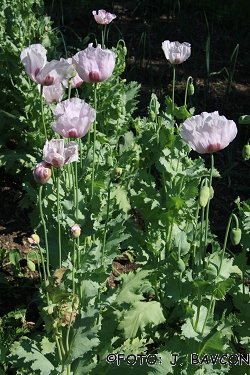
(26, 354)
(121, 197)
(129, 289)
(85, 337)
(141, 315)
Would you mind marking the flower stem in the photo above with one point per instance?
(94, 142)
(59, 218)
(42, 112)
(106, 223)
(173, 87)
(45, 230)
(208, 203)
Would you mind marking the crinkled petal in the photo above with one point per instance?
(176, 52)
(33, 59)
(208, 132)
(94, 64)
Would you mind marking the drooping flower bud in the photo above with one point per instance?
(191, 89)
(75, 231)
(204, 196)
(31, 265)
(246, 152)
(181, 265)
(116, 173)
(235, 236)
(34, 239)
(211, 192)
(42, 172)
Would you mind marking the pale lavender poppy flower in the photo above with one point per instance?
(208, 132)
(52, 94)
(176, 52)
(42, 172)
(74, 118)
(103, 17)
(94, 64)
(58, 155)
(33, 59)
(55, 72)
(76, 81)
(39, 70)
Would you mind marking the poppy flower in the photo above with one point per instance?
(176, 52)
(94, 64)
(76, 81)
(39, 70)
(33, 59)
(55, 72)
(74, 118)
(103, 17)
(208, 132)
(57, 154)
(52, 94)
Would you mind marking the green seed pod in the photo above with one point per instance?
(246, 152)
(204, 196)
(31, 265)
(235, 236)
(181, 265)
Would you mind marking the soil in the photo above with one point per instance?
(15, 226)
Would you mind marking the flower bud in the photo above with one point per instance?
(42, 172)
(204, 196)
(246, 152)
(191, 89)
(211, 192)
(235, 236)
(116, 173)
(31, 265)
(181, 265)
(75, 231)
(34, 239)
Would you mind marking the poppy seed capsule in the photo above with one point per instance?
(204, 196)
(235, 236)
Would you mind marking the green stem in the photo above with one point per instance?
(106, 222)
(198, 310)
(225, 239)
(42, 112)
(76, 193)
(45, 230)
(44, 272)
(69, 88)
(173, 87)
(59, 219)
(208, 203)
(94, 142)
(208, 313)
